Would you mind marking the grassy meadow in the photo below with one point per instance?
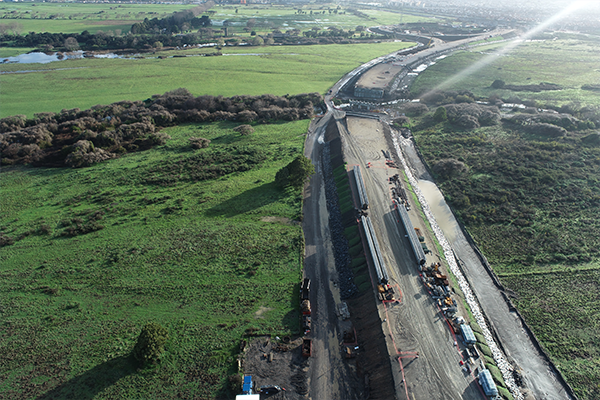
(265, 18)
(77, 17)
(532, 202)
(277, 70)
(212, 261)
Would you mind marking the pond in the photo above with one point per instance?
(44, 58)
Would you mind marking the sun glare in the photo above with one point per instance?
(568, 10)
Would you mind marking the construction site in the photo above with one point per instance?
(415, 327)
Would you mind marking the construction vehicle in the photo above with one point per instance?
(305, 307)
(271, 389)
(385, 292)
(305, 289)
(306, 324)
(349, 351)
(306, 347)
(419, 235)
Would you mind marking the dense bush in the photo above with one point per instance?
(295, 173)
(208, 164)
(413, 109)
(85, 154)
(80, 138)
(150, 344)
(449, 167)
(472, 115)
(440, 114)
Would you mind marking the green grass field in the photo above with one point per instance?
(275, 69)
(529, 63)
(531, 202)
(211, 261)
(77, 17)
(270, 17)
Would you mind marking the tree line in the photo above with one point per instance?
(80, 138)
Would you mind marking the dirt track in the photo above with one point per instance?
(330, 376)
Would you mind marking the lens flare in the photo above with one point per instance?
(576, 6)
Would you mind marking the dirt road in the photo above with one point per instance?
(330, 377)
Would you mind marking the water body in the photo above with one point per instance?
(45, 58)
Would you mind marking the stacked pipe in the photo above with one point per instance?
(412, 235)
(380, 268)
(360, 185)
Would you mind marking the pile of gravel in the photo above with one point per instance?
(341, 252)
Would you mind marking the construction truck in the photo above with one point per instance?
(306, 348)
(305, 307)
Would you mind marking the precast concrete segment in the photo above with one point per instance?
(384, 274)
(410, 231)
(360, 185)
(380, 268)
(505, 368)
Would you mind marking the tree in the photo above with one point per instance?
(150, 344)
(498, 84)
(295, 173)
(440, 114)
(71, 43)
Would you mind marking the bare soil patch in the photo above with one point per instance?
(278, 362)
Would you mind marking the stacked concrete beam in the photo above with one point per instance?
(360, 186)
(380, 268)
(410, 231)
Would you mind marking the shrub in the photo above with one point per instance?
(505, 393)
(496, 374)
(150, 344)
(199, 143)
(85, 154)
(498, 84)
(485, 349)
(480, 338)
(244, 130)
(413, 109)
(6, 240)
(440, 114)
(547, 130)
(449, 167)
(235, 383)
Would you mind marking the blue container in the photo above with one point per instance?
(247, 387)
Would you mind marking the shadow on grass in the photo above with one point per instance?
(87, 385)
(248, 201)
